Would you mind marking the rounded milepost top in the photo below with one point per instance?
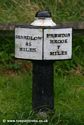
(43, 18)
(43, 14)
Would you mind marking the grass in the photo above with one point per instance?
(69, 98)
(16, 85)
(15, 11)
(16, 75)
(15, 95)
(15, 98)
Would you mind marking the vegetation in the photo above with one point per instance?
(15, 11)
(16, 85)
(16, 74)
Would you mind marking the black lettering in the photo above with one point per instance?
(20, 49)
(58, 53)
(28, 37)
(58, 41)
(28, 43)
(28, 49)
(32, 49)
(51, 53)
(58, 46)
(58, 35)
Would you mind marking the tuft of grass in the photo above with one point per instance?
(15, 11)
(69, 97)
(15, 96)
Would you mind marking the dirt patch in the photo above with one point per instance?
(16, 68)
(79, 70)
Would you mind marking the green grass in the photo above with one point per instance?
(16, 75)
(15, 95)
(15, 11)
(69, 99)
(16, 99)
(16, 85)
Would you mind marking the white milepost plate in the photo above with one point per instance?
(28, 43)
(57, 44)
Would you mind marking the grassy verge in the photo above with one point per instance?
(16, 101)
(15, 95)
(16, 85)
(69, 94)
(16, 76)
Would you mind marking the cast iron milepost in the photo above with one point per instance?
(42, 42)
(42, 86)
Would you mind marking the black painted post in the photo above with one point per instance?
(42, 88)
(43, 42)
